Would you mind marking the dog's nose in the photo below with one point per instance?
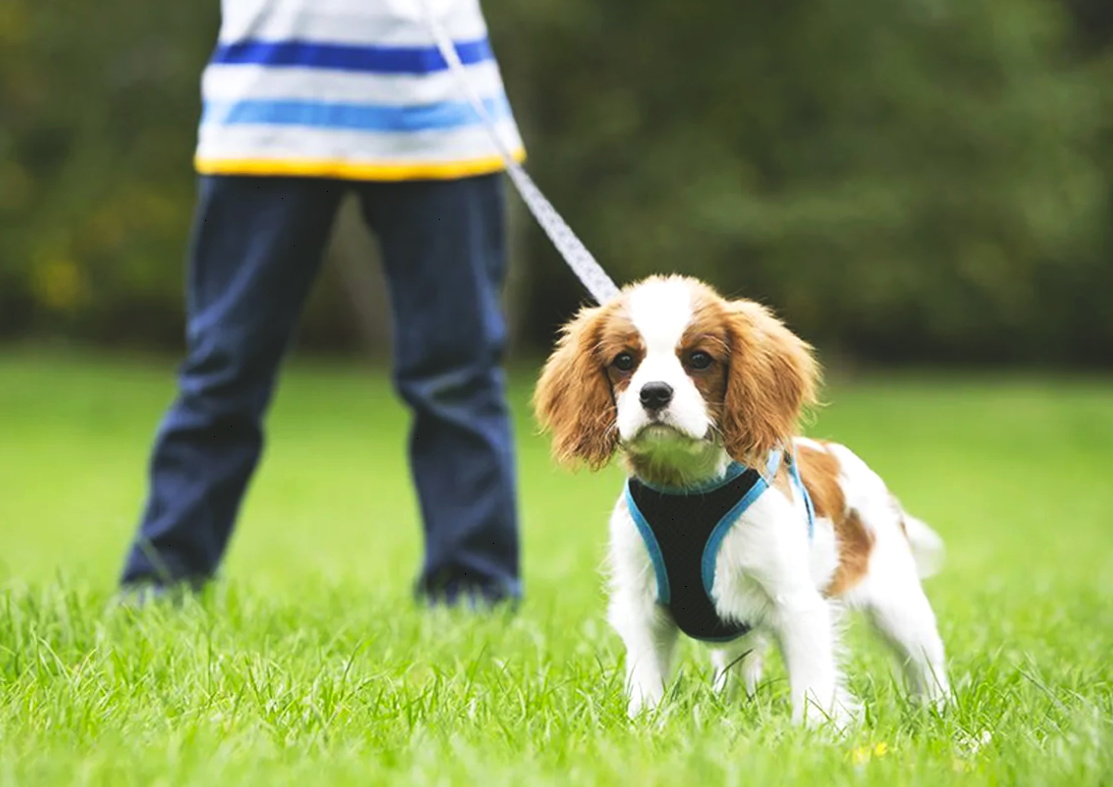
(654, 396)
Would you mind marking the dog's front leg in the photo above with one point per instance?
(649, 636)
(805, 630)
(646, 629)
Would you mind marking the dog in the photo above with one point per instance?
(733, 528)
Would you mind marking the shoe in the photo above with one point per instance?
(137, 595)
(464, 593)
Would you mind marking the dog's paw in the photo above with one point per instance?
(938, 698)
(636, 707)
(841, 714)
(844, 717)
(641, 703)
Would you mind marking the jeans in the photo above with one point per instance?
(256, 248)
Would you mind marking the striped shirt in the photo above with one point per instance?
(349, 89)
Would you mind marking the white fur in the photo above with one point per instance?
(768, 573)
(661, 310)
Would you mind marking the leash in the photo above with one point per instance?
(575, 254)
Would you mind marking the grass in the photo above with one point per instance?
(308, 664)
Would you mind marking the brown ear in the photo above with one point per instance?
(573, 399)
(772, 377)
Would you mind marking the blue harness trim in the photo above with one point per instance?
(749, 491)
(794, 474)
(663, 594)
(711, 551)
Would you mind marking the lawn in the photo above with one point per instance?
(308, 663)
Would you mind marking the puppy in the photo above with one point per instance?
(732, 528)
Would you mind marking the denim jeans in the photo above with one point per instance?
(256, 249)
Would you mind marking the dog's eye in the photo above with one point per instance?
(624, 362)
(699, 360)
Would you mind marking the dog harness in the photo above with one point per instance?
(683, 530)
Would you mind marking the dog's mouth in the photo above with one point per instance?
(658, 431)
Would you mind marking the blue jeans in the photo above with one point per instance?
(256, 249)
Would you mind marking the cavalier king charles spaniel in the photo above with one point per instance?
(732, 528)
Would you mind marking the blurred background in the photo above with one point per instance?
(919, 181)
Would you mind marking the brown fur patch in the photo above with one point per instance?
(707, 332)
(619, 335)
(855, 543)
(574, 398)
(772, 377)
(819, 469)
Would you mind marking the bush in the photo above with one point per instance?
(920, 180)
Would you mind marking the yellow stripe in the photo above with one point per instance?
(352, 170)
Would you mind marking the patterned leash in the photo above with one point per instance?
(575, 254)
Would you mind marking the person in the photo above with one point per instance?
(305, 101)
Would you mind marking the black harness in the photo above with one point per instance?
(683, 530)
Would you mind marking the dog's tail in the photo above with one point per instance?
(927, 546)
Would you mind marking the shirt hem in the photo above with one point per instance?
(354, 170)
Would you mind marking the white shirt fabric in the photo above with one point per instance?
(349, 89)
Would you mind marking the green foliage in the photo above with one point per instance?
(908, 180)
(918, 180)
(100, 104)
(310, 665)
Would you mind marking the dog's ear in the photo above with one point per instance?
(573, 399)
(771, 379)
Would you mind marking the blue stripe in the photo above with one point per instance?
(711, 551)
(794, 472)
(344, 57)
(663, 591)
(357, 117)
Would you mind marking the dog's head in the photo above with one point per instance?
(670, 368)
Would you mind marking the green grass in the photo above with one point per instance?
(309, 664)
